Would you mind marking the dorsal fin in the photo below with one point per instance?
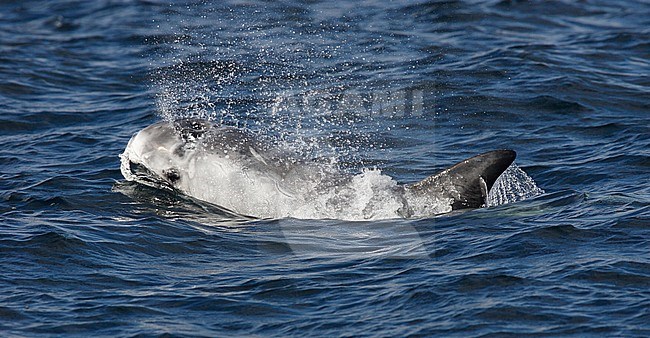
(467, 183)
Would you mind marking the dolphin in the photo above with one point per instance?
(236, 170)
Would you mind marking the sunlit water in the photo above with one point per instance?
(404, 89)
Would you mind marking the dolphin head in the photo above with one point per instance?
(160, 150)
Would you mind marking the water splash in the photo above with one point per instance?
(302, 86)
(512, 186)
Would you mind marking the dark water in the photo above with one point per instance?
(409, 87)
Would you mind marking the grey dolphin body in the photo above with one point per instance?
(170, 152)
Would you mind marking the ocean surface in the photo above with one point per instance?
(405, 87)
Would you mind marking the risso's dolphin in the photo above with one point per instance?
(232, 168)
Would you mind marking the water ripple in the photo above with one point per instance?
(563, 83)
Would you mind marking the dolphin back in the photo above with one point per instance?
(467, 183)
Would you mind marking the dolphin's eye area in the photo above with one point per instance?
(172, 175)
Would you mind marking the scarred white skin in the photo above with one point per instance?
(229, 168)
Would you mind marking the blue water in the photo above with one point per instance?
(408, 87)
